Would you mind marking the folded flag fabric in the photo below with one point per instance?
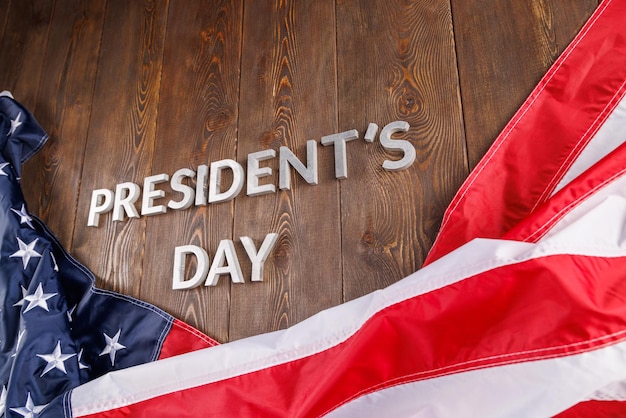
(519, 311)
(57, 330)
(573, 117)
(495, 328)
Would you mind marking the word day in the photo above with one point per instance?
(208, 187)
(225, 261)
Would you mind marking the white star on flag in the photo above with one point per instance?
(3, 398)
(38, 299)
(2, 172)
(70, 312)
(24, 217)
(112, 346)
(30, 410)
(54, 261)
(56, 359)
(15, 123)
(81, 365)
(26, 251)
(20, 335)
(24, 294)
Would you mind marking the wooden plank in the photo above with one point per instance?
(396, 62)
(121, 138)
(504, 48)
(64, 109)
(23, 47)
(568, 17)
(197, 124)
(4, 17)
(288, 96)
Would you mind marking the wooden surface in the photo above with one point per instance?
(132, 89)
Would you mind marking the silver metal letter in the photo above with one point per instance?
(149, 194)
(339, 140)
(101, 201)
(126, 194)
(180, 256)
(225, 252)
(201, 185)
(288, 158)
(370, 134)
(215, 195)
(255, 173)
(258, 258)
(397, 145)
(178, 186)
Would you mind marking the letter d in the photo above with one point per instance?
(180, 256)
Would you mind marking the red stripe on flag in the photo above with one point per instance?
(537, 309)
(535, 226)
(595, 409)
(542, 140)
(183, 338)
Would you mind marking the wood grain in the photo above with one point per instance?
(23, 47)
(396, 62)
(71, 64)
(503, 50)
(197, 124)
(288, 95)
(4, 17)
(567, 18)
(120, 142)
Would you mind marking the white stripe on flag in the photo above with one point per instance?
(608, 137)
(597, 214)
(532, 389)
(615, 391)
(336, 325)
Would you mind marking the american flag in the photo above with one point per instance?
(519, 311)
(57, 329)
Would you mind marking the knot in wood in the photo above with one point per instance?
(281, 255)
(409, 103)
(270, 139)
(219, 119)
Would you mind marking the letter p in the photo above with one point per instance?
(101, 201)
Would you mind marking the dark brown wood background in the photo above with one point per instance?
(128, 89)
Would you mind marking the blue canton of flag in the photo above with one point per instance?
(57, 330)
